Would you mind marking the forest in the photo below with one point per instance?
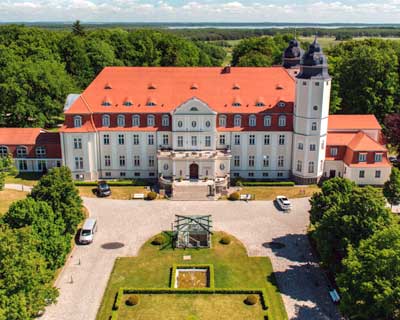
(41, 66)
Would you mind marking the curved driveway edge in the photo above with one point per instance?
(124, 225)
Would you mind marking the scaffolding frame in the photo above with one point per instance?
(192, 231)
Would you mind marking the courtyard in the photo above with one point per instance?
(126, 225)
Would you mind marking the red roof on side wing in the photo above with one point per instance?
(353, 122)
(19, 136)
(362, 142)
(169, 87)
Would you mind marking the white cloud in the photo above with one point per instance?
(364, 11)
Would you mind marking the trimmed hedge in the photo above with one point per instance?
(159, 240)
(151, 195)
(116, 183)
(122, 291)
(210, 268)
(132, 300)
(251, 300)
(268, 184)
(225, 240)
(234, 196)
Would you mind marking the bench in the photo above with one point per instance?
(245, 197)
(138, 196)
(334, 296)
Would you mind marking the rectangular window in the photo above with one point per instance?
(362, 157)
(42, 166)
(122, 174)
(280, 174)
(334, 152)
(108, 174)
(107, 161)
(377, 173)
(266, 161)
(135, 139)
(311, 167)
(237, 139)
(194, 141)
(251, 161)
(361, 174)
(314, 126)
(300, 146)
(280, 162)
(150, 139)
(312, 147)
(265, 174)
(136, 161)
(165, 121)
(208, 141)
(23, 165)
(122, 161)
(252, 139)
(180, 141)
(236, 161)
(378, 157)
(299, 167)
(106, 139)
(78, 163)
(137, 174)
(281, 139)
(267, 121)
(151, 161)
(251, 174)
(77, 143)
(165, 139)
(222, 121)
(222, 139)
(267, 139)
(236, 174)
(121, 139)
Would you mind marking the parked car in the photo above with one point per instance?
(393, 160)
(283, 203)
(103, 189)
(88, 230)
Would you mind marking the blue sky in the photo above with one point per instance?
(362, 11)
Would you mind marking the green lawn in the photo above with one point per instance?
(233, 269)
(196, 306)
(8, 196)
(270, 193)
(117, 192)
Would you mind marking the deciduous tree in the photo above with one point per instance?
(391, 188)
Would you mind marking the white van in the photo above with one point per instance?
(88, 230)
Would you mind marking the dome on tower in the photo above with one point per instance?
(313, 63)
(292, 54)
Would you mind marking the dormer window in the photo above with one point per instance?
(267, 121)
(105, 120)
(252, 120)
(165, 120)
(282, 121)
(235, 86)
(279, 87)
(22, 152)
(281, 104)
(151, 102)
(121, 120)
(3, 151)
(237, 120)
(77, 121)
(106, 102)
(108, 86)
(362, 157)
(135, 120)
(194, 109)
(194, 86)
(378, 157)
(152, 86)
(260, 102)
(40, 152)
(150, 120)
(236, 104)
(222, 120)
(128, 102)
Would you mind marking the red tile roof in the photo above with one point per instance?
(353, 122)
(174, 85)
(19, 136)
(339, 139)
(362, 142)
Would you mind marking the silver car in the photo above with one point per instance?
(88, 230)
(283, 203)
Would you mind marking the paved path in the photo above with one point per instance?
(256, 224)
(19, 187)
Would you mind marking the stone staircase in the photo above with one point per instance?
(190, 191)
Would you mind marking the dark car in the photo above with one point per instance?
(103, 189)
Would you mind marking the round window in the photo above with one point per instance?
(165, 166)
(180, 124)
(222, 166)
(208, 124)
(315, 108)
(194, 124)
(281, 104)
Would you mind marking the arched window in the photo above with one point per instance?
(22, 152)
(135, 120)
(105, 120)
(150, 120)
(311, 167)
(3, 151)
(282, 121)
(252, 120)
(77, 121)
(237, 120)
(267, 121)
(222, 120)
(40, 152)
(121, 120)
(165, 120)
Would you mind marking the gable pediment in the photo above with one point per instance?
(194, 106)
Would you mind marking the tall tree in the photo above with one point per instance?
(49, 229)
(391, 188)
(77, 29)
(370, 282)
(6, 167)
(58, 190)
(392, 130)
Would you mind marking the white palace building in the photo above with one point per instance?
(189, 123)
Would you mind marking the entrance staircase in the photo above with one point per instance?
(191, 191)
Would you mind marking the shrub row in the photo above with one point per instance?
(210, 268)
(122, 291)
(267, 183)
(117, 183)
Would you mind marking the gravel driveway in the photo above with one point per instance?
(124, 225)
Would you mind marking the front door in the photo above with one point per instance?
(194, 171)
(332, 173)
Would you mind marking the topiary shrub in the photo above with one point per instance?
(152, 195)
(234, 196)
(158, 240)
(132, 300)
(251, 300)
(225, 240)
